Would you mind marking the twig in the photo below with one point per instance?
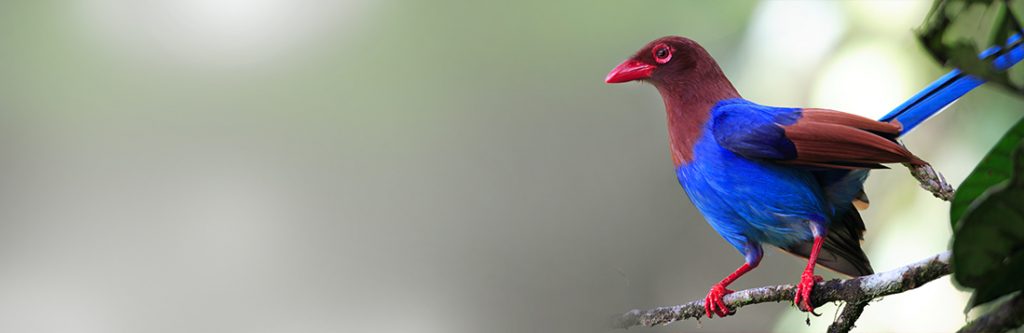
(856, 290)
(932, 181)
(1007, 316)
(844, 323)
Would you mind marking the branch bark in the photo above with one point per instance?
(1007, 316)
(844, 323)
(856, 292)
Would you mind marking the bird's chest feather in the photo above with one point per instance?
(765, 201)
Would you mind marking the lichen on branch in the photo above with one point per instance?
(855, 291)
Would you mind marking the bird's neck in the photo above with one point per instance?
(688, 104)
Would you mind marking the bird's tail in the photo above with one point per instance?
(952, 86)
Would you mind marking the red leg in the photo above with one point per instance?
(713, 303)
(808, 279)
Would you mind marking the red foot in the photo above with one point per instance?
(803, 292)
(713, 303)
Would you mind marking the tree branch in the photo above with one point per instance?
(844, 323)
(858, 290)
(1007, 316)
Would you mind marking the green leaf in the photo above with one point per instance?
(963, 54)
(1004, 281)
(995, 168)
(953, 30)
(1005, 25)
(988, 243)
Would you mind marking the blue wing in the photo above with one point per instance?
(807, 137)
(754, 131)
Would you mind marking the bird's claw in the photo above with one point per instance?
(803, 292)
(713, 303)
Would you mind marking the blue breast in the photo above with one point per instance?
(752, 200)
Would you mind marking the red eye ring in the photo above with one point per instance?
(662, 53)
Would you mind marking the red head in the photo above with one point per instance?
(690, 83)
(669, 61)
(664, 57)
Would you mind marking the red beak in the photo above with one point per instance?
(629, 70)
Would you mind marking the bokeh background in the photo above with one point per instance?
(420, 166)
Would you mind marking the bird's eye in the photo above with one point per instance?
(662, 53)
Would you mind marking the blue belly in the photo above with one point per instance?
(752, 201)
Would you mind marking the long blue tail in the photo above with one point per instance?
(952, 86)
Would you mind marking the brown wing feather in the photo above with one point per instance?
(826, 138)
(886, 129)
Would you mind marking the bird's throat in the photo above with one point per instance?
(687, 112)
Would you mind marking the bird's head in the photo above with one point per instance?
(689, 81)
(664, 59)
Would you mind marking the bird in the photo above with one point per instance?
(788, 177)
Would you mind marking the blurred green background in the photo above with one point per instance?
(420, 166)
